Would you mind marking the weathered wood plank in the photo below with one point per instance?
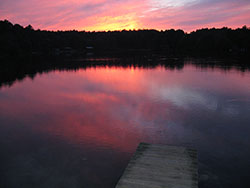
(161, 166)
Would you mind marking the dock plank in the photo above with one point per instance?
(161, 166)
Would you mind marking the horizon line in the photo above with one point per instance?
(138, 29)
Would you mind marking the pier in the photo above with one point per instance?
(161, 166)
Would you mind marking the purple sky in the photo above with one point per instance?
(99, 15)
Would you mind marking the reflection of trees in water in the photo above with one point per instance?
(18, 70)
(18, 43)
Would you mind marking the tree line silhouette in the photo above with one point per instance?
(18, 41)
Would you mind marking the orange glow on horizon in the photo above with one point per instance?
(109, 23)
(103, 15)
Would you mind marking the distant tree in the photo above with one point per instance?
(29, 27)
(19, 41)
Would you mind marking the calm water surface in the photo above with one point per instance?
(79, 128)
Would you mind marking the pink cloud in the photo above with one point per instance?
(201, 14)
(126, 14)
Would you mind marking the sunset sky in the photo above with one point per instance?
(106, 15)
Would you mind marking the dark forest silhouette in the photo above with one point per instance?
(17, 41)
(27, 52)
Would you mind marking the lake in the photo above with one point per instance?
(78, 127)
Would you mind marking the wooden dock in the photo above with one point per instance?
(161, 166)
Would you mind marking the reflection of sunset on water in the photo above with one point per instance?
(115, 107)
(89, 121)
